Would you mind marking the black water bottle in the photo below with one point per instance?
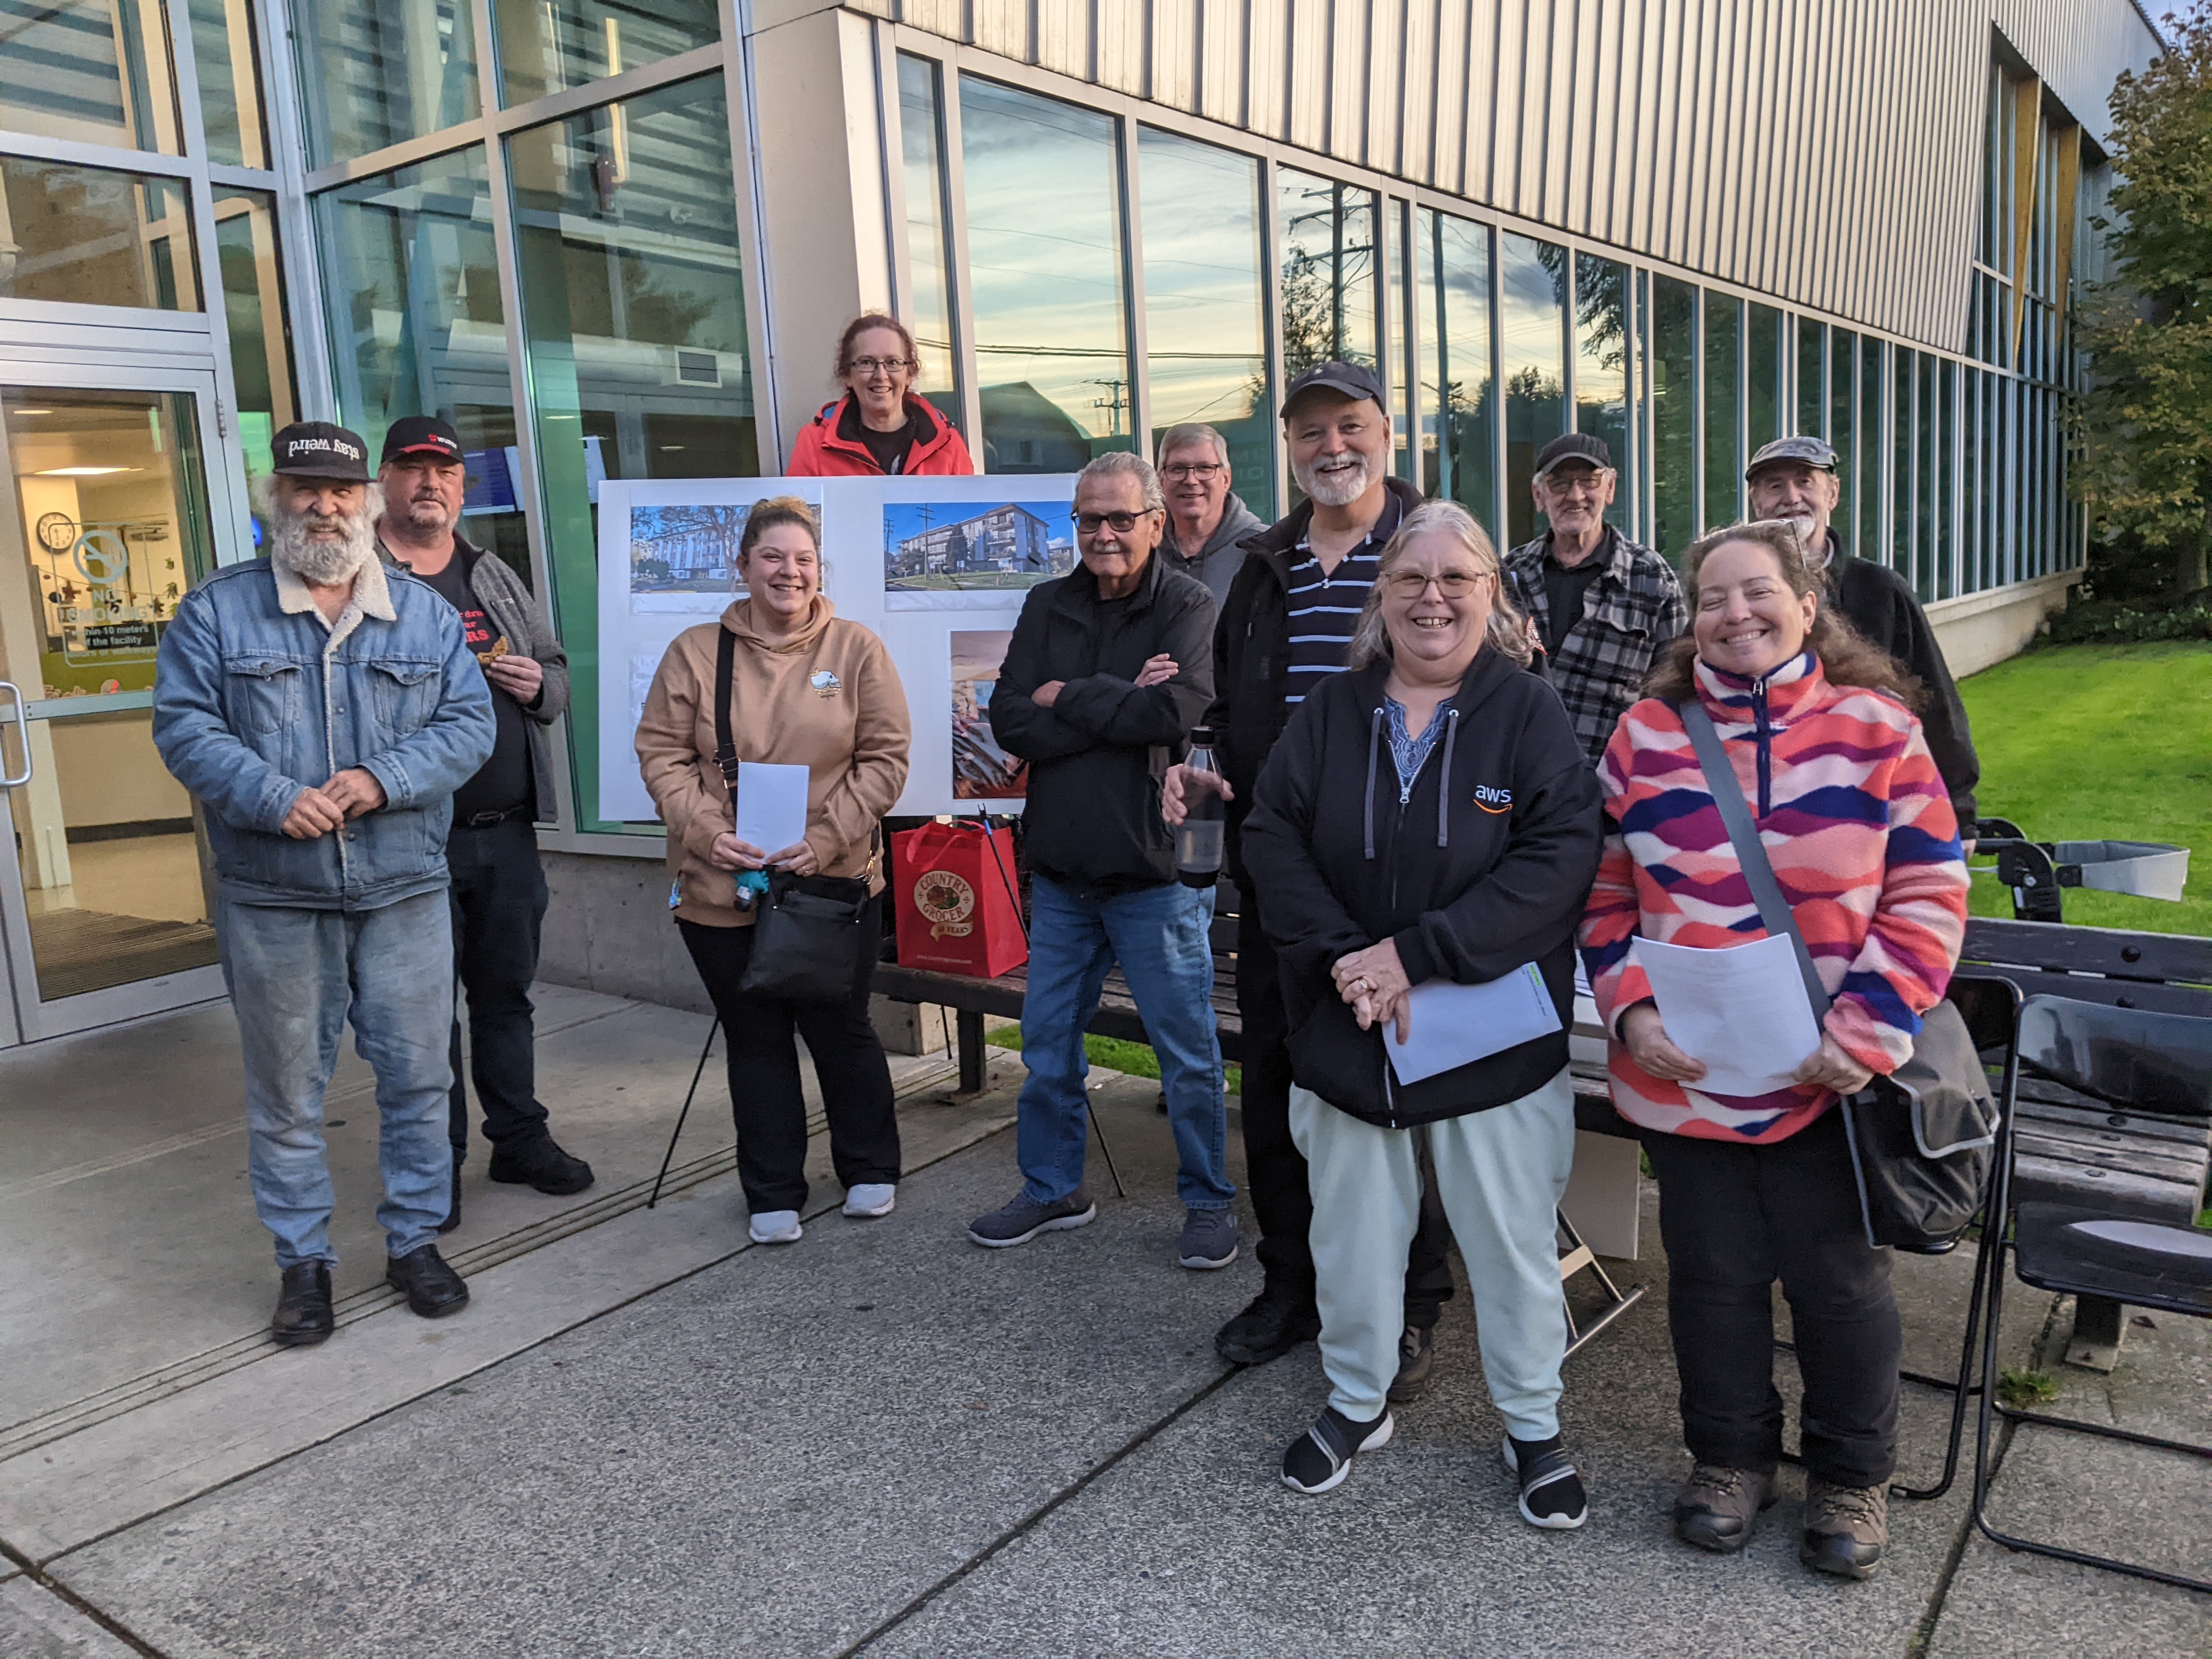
(1206, 817)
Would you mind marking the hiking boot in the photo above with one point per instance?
(1846, 1528)
(303, 1306)
(432, 1289)
(1717, 1508)
(540, 1163)
(1209, 1239)
(1416, 1364)
(1021, 1218)
(1320, 1457)
(1552, 1495)
(1271, 1324)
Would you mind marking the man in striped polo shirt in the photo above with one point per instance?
(1285, 626)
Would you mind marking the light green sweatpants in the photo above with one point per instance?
(1500, 1173)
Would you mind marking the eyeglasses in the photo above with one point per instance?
(1452, 584)
(1120, 523)
(883, 365)
(1182, 469)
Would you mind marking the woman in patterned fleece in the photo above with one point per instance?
(1865, 847)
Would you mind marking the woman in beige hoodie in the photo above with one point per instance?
(806, 690)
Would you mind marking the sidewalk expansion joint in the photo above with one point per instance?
(79, 1606)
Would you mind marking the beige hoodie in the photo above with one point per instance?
(825, 697)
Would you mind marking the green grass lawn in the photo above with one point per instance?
(1115, 1053)
(2095, 742)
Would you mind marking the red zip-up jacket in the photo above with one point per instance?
(938, 451)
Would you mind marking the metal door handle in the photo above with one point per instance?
(9, 779)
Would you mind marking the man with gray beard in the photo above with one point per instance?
(323, 710)
(1286, 625)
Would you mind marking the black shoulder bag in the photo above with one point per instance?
(1922, 1138)
(808, 939)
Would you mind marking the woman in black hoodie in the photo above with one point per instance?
(1428, 820)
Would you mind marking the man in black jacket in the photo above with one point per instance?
(1109, 668)
(1284, 629)
(1795, 478)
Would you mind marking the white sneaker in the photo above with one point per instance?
(775, 1227)
(870, 1199)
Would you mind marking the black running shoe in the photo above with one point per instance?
(1552, 1495)
(1320, 1457)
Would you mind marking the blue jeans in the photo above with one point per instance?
(295, 977)
(1159, 935)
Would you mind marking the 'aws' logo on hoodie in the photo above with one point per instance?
(1493, 801)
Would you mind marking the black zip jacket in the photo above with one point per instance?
(1876, 601)
(1252, 648)
(1482, 866)
(1097, 756)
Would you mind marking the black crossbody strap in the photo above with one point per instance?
(725, 746)
(1750, 851)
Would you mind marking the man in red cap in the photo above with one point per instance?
(498, 892)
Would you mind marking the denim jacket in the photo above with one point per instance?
(256, 697)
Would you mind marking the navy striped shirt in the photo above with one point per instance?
(1324, 611)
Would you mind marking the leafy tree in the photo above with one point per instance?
(2146, 421)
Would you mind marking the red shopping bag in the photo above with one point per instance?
(955, 891)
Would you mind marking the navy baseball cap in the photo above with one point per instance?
(1582, 447)
(1805, 451)
(420, 434)
(320, 449)
(1348, 379)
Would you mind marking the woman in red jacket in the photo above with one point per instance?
(879, 427)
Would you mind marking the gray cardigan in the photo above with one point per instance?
(516, 613)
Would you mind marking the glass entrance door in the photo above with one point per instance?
(103, 900)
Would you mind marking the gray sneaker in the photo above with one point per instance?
(1022, 1218)
(1209, 1239)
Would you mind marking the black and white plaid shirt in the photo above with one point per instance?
(1633, 608)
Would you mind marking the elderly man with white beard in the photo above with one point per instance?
(323, 709)
(1284, 627)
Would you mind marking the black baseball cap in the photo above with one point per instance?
(1582, 447)
(320, 449)
(1805, 451)
(1349, 380)
(420, 434)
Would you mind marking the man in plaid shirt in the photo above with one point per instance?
(1603, 605)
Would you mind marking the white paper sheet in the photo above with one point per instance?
(771, 804)
(1742, 1011)
(1452, 1024)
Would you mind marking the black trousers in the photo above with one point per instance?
(1735, 1218)
(765, 1095)
(1275, 1169)
(498, 900)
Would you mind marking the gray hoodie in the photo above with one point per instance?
(1219, 560)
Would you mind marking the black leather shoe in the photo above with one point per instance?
(540, 1163)
(1416, 1364)
(434, 1290)
(1272, 1323)
(303, 1306)
(453, 1212)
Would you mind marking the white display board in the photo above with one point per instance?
(938, 567)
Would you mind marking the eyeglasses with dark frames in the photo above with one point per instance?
(1120, 523)
(1452, 584)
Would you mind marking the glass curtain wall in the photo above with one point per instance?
(1902, 483)
(929, 307)
(1812, 401)
(1842, 431)
(633, 321)
(1458, 417)
(224, 49)
(1044, 251)
(1327, 288)
(380, 72)
(549, 46)
(257, 318)
(1723, 346)
(1601, 395)
(1399, 258)
(1671, 328)
(1205, 322)
(1868, 526)
(90, 236)
(96, 71)
(1532, 340)
(1766, 359)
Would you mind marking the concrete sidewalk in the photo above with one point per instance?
(647, 1437)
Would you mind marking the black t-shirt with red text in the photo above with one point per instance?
(503, 784)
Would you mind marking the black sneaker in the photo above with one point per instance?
(433, 1289)
(1021, 1218)
(1271, 1324)
(1552, 1495)
(1320, 1457)
(303, 1306)
(540, 1163)
(1416, 1364)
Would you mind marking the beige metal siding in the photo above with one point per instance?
(1827, 152)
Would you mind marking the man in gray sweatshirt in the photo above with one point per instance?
(1205, 521)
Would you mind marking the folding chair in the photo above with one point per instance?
(2133, 1060)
